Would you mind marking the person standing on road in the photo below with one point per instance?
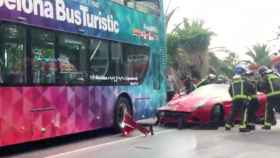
(171, 85)
(271, 87)
(239, 91)
(254, 102)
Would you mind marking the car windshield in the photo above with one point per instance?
(213, 91)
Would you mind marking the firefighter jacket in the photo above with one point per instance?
(270, 85)
(241, 89)
(252, 88)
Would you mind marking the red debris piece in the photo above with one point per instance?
(130, 125)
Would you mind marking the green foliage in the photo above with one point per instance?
(168, 16)
(172, 43)
(226, 66)
(229, 63)
(193, 37)
(187, 41)
(259, 54)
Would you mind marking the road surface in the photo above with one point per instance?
(166, 143)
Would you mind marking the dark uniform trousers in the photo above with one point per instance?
(252, 109)
(238, 106)
(272, 102)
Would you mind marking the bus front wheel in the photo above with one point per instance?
(121, 108)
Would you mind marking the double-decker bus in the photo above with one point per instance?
(69, 66)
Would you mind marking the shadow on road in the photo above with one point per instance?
(54, 142)
(189, 126)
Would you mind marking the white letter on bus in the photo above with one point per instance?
(60, 10)
(38, 4)
(1, 3)
(10, 4)
(19, 5)
(116, 27)
(84, 10)
(48, 11)
(78, 20)
(27, 6)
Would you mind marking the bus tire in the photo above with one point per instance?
(122, 106)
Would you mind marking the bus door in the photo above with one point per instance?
(15, 119)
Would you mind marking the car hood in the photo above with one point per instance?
(186, 103)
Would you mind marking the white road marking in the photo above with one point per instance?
(105, 144)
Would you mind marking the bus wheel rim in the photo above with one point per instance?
(121, 111)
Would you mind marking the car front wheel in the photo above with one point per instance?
(216, 118)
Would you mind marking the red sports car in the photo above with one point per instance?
(209, 104)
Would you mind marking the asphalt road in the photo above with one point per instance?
(166, 143)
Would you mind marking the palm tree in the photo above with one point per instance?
(260, 54)
(188, 43)
(194, 38)
(169, 14)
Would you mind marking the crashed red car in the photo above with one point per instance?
(209, 104)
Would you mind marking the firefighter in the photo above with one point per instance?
(254, 102)
(211, 78)
(270, 85)
(239, 91)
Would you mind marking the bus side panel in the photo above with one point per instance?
(16, 118)
(82, 117)
(42, 112)
(63, 121)
(94, 109)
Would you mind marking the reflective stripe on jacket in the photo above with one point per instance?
(238, 90)
(274, 85)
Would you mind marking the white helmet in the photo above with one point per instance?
(268, 71)
(236, 77)
(212, 76)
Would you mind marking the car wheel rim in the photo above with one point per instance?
(216, 113)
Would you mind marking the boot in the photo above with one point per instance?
(244, 130)
(266, 127)
(251, 127)
(227, 128)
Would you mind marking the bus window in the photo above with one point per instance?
(148, 6)
(136, 61)
(72, 59)
(117, 59)
(98, 60)
(43, 54)
(119, 1)
(12, 54)
(129, 3)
